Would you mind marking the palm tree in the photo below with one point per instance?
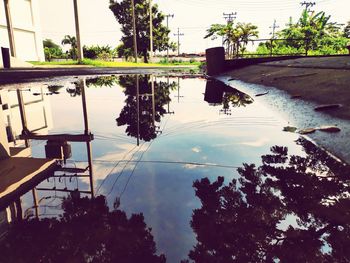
(71, 40)
(246, 31)
(234, 36)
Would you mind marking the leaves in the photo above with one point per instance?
(307, 131)
(122, 12)
(251, 218)
(327, 107)
(329, 129)
(237, 36)
(290, 129)
(261, 94)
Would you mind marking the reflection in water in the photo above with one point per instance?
(217, 93)
(144, 105)
(289, 209)
(74, 90)
(102, 81)
(86, 232)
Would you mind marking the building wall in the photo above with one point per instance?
(37, 111)
(26, 27)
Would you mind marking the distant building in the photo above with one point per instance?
(26, 29)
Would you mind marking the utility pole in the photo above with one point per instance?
(167, 26)
(290, 23)
(134, 29)
(274, 26)
(178, 40)
(178, 90)
(230, 16)
(307, 5)
(150, 31)
(77, 30)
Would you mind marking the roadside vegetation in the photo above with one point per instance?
(103, 63)
(312, 34)
(106, 55)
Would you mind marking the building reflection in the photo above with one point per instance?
(289, 209)
(144, 105)
(25, 118)
(218, 93)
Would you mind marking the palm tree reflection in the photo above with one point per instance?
(218, 93)
(289, 209)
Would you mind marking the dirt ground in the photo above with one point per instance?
(294, 88)
(323, 80)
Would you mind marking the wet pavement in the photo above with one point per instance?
(301, 114)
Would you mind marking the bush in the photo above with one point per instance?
(100, 52)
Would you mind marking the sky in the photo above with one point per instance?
(192, 17)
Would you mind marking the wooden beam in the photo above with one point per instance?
(59, 137)
(10, 28)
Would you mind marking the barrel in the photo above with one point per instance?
(6, 57)
(215, 58)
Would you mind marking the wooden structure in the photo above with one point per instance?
(19, 175)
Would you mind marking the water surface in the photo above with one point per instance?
(174, 150)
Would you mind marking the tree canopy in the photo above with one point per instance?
(123, 14)
(72, 41)
(234, 36)
(313, 33)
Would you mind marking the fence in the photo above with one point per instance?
(270, 47)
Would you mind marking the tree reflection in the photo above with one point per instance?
(86, 232)
(289, 209)
(102, 81)
(144, 117)
(218, 93)
(74, 90)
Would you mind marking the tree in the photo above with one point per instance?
(122, 12)
(219, 93)
(235, 37)
(347, 30)
(313, 32)
(72, 41)
(100, 52)
(246, 31)
(85, 232)
(289, 209)
(130, 117)
(51, 50)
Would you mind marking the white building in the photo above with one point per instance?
(25, 20)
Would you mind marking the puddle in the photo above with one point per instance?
(170, 162)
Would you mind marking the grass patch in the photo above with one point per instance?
(101, 63)
(67, 62)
